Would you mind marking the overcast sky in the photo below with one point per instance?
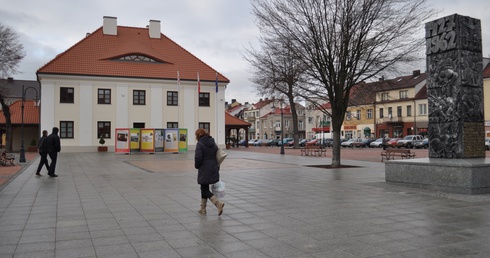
(216, 31)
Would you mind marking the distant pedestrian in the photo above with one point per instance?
(208, 169)
(41, 146)
(385, 141)
(53, 146)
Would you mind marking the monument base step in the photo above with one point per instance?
(462, 176)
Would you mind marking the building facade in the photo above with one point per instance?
(126, 77)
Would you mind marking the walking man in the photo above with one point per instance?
(41, 146)
(53, 146)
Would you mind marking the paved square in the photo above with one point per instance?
(113, 205)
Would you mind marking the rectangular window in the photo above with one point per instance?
(139, 97)
(409, 110)
(348, 115)
(138, 125)
(358, 114)
(205, 126)
(66, 130)
(384, 96)
(286, 123)
(278, 123)
(422, 109)
(369, 114)
(381, 113)
(67, 95)
(399, 111)
(172, 125)
(204, 99)
(301, 125)
(104, 129)
(310, 120)
(390, 112)
(104, 96)
(403, 94)
(172, 98)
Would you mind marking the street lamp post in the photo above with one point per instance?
(282, 125)
(22, 158)
(282, 130)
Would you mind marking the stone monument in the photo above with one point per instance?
(456, 160)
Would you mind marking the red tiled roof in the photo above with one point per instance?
(231, 120)
(31, 113)
(94, 56)
(486, 71)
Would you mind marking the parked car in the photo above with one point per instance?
(303, 142)
(408, 140)
(251, 142)
(242, 142)
(273, 142)
(487, 143)
(327, 142)
(392, 142)
(421, 144)
(350, 143)
(378, 143)
(258, 142)
(312, 142)
(285, 141)
(363, 143)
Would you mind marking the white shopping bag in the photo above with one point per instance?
(218, 189)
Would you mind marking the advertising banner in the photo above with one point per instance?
(122, 140)
(183, 140)
(171, 140)
(135, 139)
(147, 142)
(159, 139)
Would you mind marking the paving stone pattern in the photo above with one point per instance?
(113, 205)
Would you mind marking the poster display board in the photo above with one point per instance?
(147, 142)
(183, 137)
(122, 140)
(135, 139)
(159, 139)
(171, 140)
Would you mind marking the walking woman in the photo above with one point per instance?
(208, 170)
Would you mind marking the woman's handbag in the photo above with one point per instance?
(220, 156)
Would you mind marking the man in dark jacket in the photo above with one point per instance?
(41, 146)
(207, 169)
(53, 146)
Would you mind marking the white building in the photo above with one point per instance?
(127, 77)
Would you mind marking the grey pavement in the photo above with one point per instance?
(115, 205)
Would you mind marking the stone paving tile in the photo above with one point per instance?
(108, 205)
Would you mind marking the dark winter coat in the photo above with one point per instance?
(205, 161)
(53, 143)
(41, 145)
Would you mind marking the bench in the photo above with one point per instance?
(7, 159)
(313, 150)
(392, 153)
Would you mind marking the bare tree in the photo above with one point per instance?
(11, 53)
(345, 42)
(276, 73)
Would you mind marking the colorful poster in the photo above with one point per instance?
(171, 140)
(135, 139)
(183, 140)
(147, 143)
(122, 140)
(159, 139)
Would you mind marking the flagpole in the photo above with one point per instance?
(178, 97)
(198, 92)
(216, 109)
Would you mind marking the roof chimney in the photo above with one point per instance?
(10, 79)
(155, 29)
(416, 72)
(110, 25)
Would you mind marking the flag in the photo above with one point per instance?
(198, 84)
(178, 77)
(216, 82)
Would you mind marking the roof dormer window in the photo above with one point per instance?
(137, 58)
